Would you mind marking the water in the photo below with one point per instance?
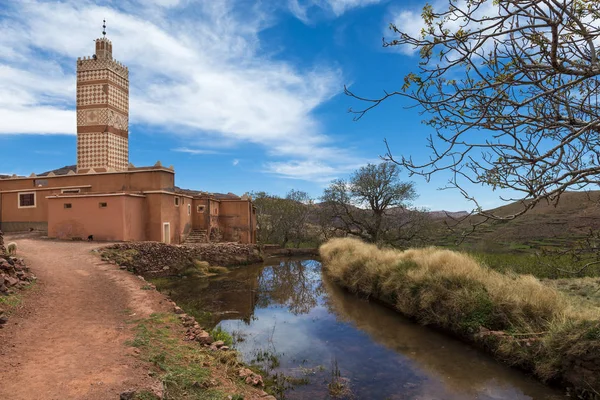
(314, 336)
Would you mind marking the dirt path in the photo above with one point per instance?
(68, 341)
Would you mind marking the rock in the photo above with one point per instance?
(203, 337)
(224, 348)
(127, 395)
(250, 377)
(10, 281)
(219, 343)
(177, 310)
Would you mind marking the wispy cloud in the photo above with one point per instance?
(195, 151)
(235, 162)
(314, 171)
(302, 8)
(196, 69)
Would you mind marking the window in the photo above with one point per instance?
(40, 182)
(176, 201)
(70, 191)
(68, 205)
(189, 209)
(200, 209)
(27, 200)
(102, 205)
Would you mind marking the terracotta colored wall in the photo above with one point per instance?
(11, 215)
(153, 213)
(200, 220)
(161, 208)
(236, 221)
(86, 218)
(185, 219)
(105, 182)
(134, 218)
(213, 217)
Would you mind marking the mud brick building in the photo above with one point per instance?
(106, 196)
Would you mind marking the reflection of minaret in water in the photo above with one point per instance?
(102, 110)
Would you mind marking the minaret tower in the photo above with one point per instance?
(102, 111)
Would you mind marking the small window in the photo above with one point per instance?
(103, 205)
(176, 201)
(189, 209)
(200, 209)
(68, 205)
(26, 200)
(70, 191)
(40, 182)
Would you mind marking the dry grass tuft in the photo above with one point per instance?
(519, 319)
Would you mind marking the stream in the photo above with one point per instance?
(316, 340)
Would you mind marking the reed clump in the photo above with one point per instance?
(516, 317)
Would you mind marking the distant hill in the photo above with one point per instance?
(61, 171)
(572, 218)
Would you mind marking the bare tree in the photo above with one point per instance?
(373, 203)
(511, 89)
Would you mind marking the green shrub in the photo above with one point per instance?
(219, 334)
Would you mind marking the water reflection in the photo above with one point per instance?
(306, 329)
(294, 284)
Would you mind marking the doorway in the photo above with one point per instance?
(166, 233)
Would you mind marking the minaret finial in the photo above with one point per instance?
(104, 28)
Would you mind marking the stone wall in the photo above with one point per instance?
(154, 259)
(2, 248)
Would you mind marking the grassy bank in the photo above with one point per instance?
(185, 369)
(515, 317)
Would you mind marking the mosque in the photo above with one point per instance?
(105, 195)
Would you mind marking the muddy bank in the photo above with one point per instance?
(153, 259)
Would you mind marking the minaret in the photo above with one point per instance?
(102, 111)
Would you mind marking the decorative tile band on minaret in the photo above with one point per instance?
(102, 111)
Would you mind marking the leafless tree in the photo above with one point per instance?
(511, 89)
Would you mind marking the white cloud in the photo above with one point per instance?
(194, 151)
(302, 8)
(309, 170)
(235, 162)
(197, 69)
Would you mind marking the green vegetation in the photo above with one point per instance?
(14, 300)
(338, 386)
(203, 268)
(186, 370)
(219, 334)
(516, 317)
(11, 301)
(540, 266)
(124, 258)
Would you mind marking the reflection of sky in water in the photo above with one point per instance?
(382, 355)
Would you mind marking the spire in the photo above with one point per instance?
(104, 28)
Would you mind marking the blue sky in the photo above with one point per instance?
(236, 95)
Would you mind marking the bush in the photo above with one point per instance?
(219, 334)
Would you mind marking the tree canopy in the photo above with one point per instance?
(373, 204)
(282, 219)
(511, 89)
